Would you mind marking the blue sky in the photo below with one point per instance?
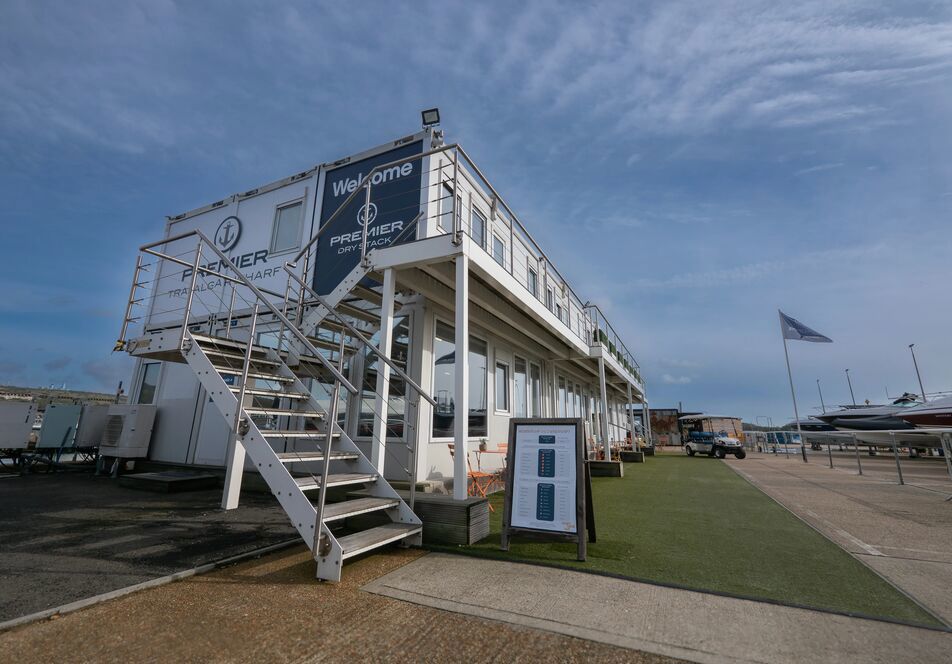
(690, 166)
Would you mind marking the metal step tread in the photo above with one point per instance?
(356, 312)
(254, 374)
(289, 412)
(348, 508)
(367, 294)
(239, 357)
(335, 479)
(328, 344)
(316, 455)
(204, 341)
(367, 540)
(295, 433)
(269, 393)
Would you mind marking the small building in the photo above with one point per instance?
(401, 291)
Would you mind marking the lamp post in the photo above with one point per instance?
(848, 382)
(922, 390)
(822, 405)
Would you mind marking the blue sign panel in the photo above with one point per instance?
(394, 204)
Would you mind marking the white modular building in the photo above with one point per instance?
(397, 293)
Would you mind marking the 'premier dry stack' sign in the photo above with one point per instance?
(394, 204)
(548, 489)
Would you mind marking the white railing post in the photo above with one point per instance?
(381, 406)
(235, 456)
(461, 398)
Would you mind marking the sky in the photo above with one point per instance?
(689, 166)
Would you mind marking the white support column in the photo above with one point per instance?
(631, 419)
(461, 397)
(604, 408)
(382, 400)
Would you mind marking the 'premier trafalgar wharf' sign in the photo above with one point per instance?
(394, 204)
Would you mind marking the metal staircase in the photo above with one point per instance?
(268, 390)
(292, 437)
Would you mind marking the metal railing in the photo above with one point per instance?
(500, 234)
(254, 308)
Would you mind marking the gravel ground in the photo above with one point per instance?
(272, 609)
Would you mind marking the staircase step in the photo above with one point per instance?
(295, 433)
(328, 344)
(254, 374)
(204, 341)
(289, 412)
(338, 479)
(317, 455)
(357, 312)
(269, 393)
(367, 540)
(238, 357)
(367, 295)
(349, 508)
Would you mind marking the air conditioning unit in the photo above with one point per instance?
(128, 431)
(16, 423)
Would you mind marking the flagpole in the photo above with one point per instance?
(793, 394)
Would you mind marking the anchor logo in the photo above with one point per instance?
(229, 230)
(371, 214)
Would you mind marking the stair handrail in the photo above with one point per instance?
(354, 332)
(259, 293)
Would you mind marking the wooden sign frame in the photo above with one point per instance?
(584, 512)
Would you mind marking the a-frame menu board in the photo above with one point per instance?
(548, 486)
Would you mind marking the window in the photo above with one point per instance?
(396, 399)
(499, 250)
(560, 401)
(520, 395)
(549, 299)
(535, 390)
(478, 228)
(444, 383)
(558, 311)
(150, 379)
(502, 387)
(286, 235)
(532, 282)
(578, 401)
(445, 219)
(570, 404)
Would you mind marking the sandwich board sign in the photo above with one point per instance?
(548, 486)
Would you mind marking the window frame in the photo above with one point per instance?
(501, 260)
(534, 289)
(142, 376)
(516, 359)
(437, 320)
(508, 374)
(476, 212)
(272, 250)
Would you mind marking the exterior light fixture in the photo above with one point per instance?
(431, 117)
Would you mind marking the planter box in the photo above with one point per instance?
(632, 457)
(606, 468)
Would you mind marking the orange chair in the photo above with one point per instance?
(478, 483)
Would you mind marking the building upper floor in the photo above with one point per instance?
(406, 202)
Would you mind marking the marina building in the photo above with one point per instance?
(393, 292)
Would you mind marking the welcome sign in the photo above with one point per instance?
(394, 204)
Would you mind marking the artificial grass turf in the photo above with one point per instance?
(693, 522)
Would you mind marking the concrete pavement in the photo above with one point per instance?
(677, 623)
(273, 610)
(902, 532)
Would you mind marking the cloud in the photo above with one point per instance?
(675, 380)
(11, 368)
(820, 167)
(57, 363)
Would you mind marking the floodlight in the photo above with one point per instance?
(431, 117)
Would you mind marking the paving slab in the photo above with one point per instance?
(685, 624)
(65, 537)
(902, 532)
(273, 610)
